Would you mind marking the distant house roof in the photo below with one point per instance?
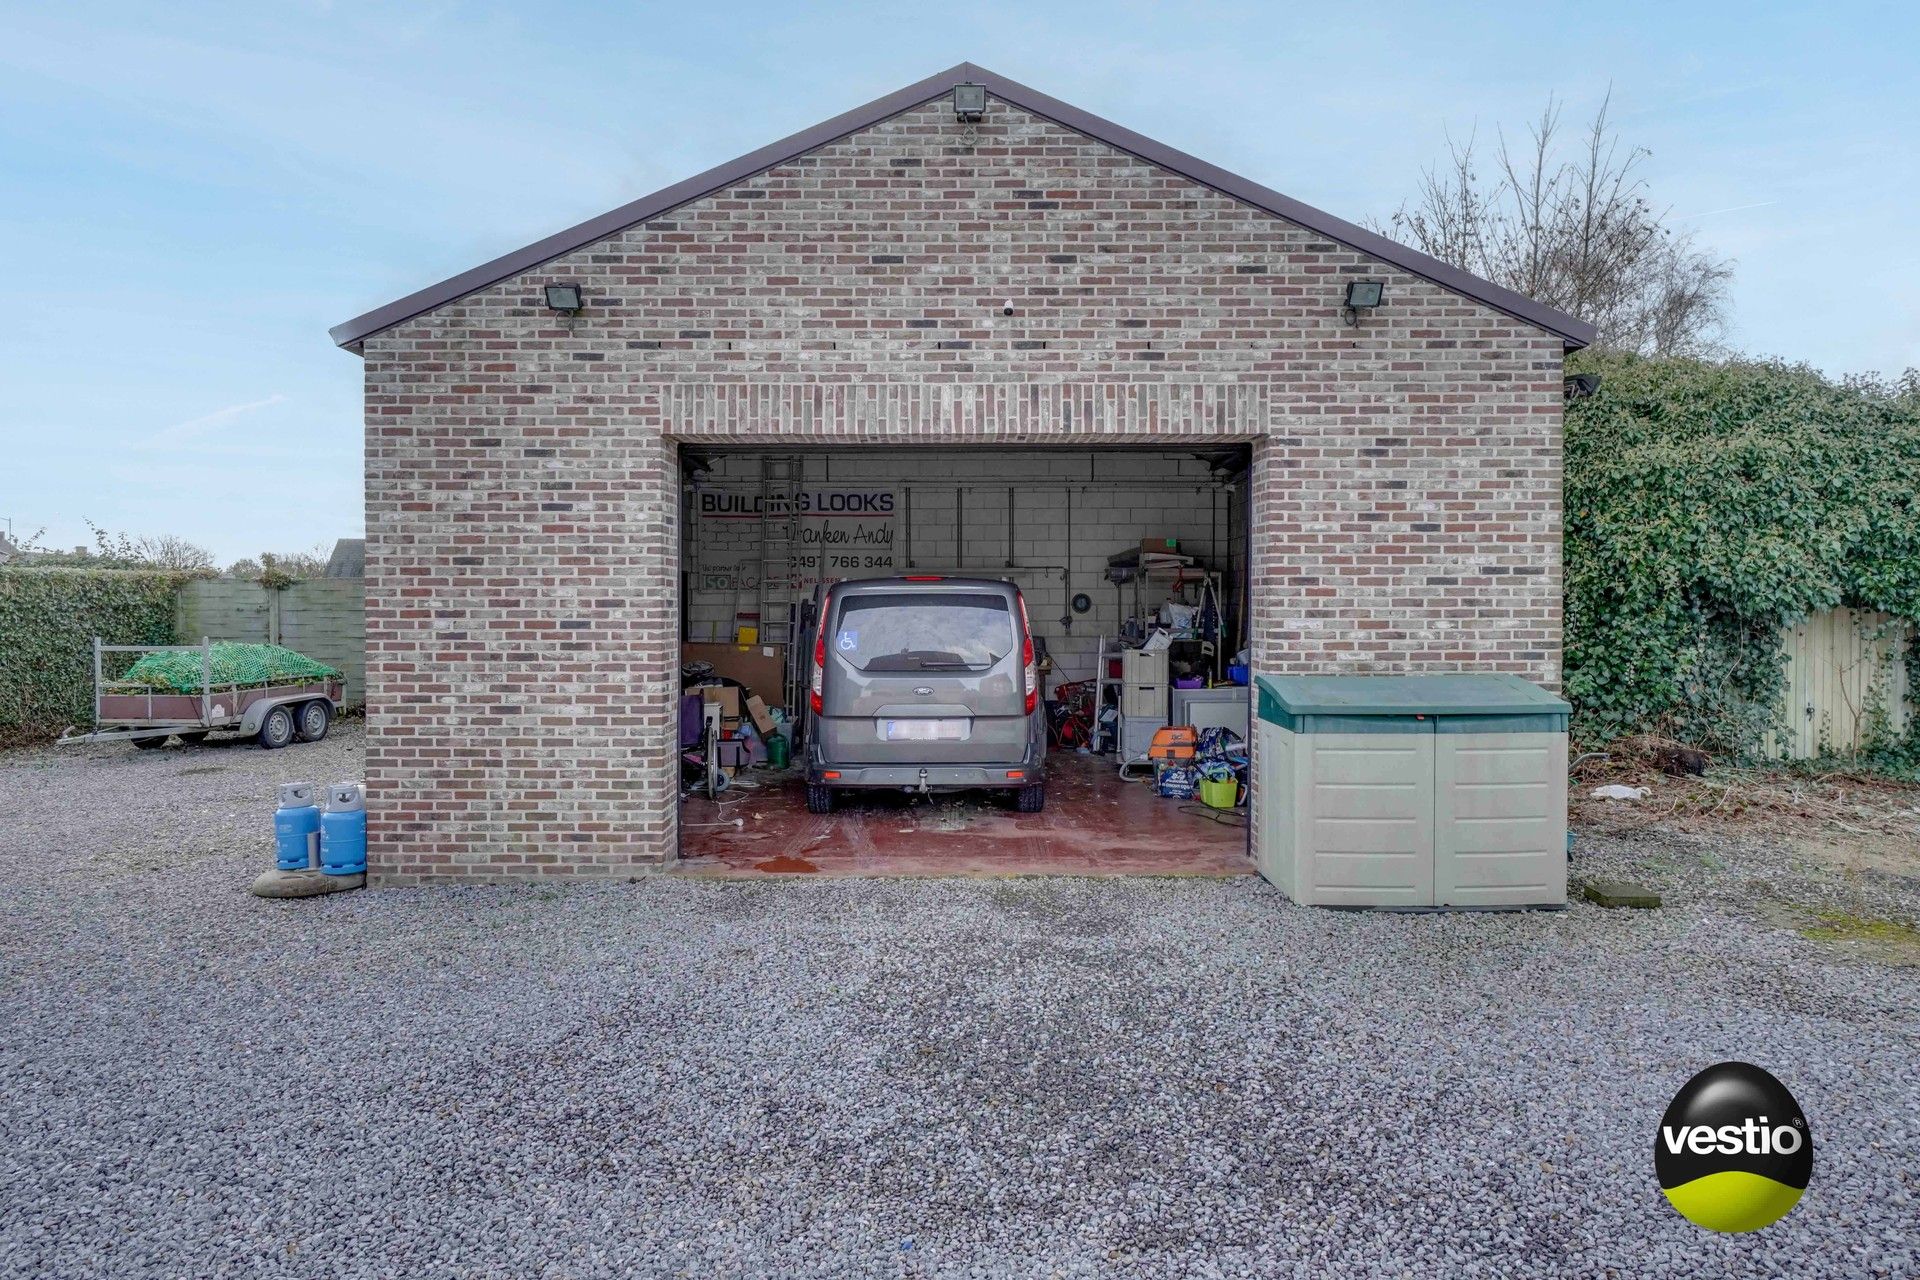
(349, 559)
(1576, 333)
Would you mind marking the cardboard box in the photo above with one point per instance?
(1160, 546)
(760, 667)
(727, 696)
(757, 711)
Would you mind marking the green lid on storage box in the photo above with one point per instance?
(1458, 702)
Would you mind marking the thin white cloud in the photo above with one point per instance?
(199, 428)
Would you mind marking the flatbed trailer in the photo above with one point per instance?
(276, 714)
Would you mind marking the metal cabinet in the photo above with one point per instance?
(1413, 791)
(1224, 706)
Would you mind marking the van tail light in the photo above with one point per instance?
(819, 669)
(1026, 656)
(1033, 678)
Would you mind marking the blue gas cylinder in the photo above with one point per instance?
(343, 831)
(296, 828)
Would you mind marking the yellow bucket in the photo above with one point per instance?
(1219, 795)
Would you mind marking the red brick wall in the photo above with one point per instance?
(521, 481)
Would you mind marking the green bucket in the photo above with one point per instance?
(1219, 795)
(777, 750)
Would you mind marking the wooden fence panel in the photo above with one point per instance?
(324, 618)
(1841, 667)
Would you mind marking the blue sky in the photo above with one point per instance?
(191, 195)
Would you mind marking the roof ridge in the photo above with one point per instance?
(1575, 332)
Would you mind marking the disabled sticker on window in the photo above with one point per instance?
(848, 641)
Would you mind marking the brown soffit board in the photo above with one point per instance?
(1575, 333)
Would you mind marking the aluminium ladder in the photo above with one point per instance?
(780, 485)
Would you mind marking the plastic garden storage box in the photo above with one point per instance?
(1413, 791)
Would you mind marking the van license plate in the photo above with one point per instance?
(926, 730)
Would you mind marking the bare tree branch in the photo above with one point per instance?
(1578, 234)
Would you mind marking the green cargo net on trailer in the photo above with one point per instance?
(232, 663)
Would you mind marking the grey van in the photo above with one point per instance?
(925, 684)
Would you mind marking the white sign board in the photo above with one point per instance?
(844, 533)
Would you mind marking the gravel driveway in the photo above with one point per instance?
(992, 1078)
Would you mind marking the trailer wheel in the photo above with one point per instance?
(277, 729)
(193, 739)
(314, 718)
(149, 744)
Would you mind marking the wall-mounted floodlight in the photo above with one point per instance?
(1363, 295)
(1581, 385)
(564, 298)
(969, 102)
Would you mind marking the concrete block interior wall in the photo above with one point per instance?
(1113, 497)
(523, 488)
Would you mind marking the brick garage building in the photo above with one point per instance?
(850, 285)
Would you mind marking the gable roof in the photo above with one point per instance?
(349, 559)
(1576, 333)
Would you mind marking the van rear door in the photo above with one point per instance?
(924, 674)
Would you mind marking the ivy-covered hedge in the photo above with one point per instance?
(48, 619)
(1708, 508)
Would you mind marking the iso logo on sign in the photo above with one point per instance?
(1734, 1152)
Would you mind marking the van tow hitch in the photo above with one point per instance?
(923, 785)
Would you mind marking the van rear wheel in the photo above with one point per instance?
(819, 798)
(1032, 799)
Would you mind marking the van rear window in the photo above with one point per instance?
(924, 631)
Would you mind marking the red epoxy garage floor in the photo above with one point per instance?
(1094, 825)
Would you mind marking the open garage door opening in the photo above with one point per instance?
(930, 661)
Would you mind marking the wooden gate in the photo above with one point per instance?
(1845, 669)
